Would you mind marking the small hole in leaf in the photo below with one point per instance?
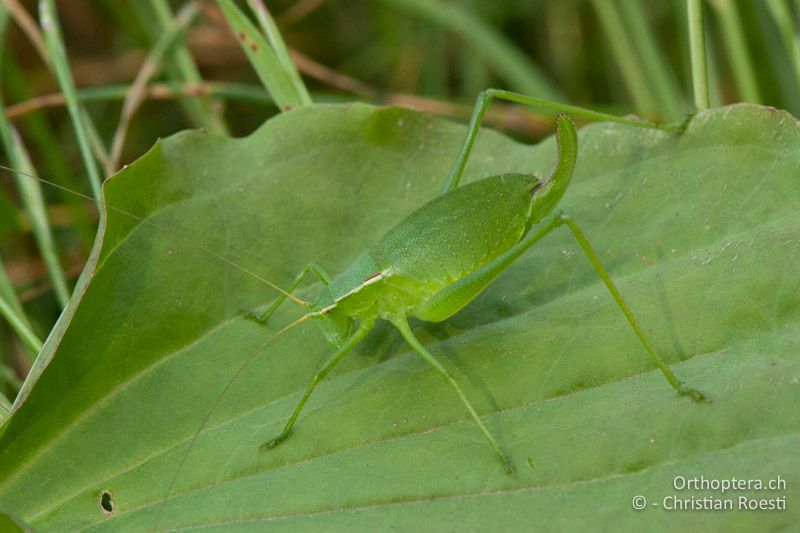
(107, 502)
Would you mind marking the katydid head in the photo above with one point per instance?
(546, 194)
(335, 325)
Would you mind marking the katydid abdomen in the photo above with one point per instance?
(440, 243)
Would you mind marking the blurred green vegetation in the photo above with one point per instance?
(622, 56)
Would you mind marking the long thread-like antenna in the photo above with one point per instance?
(213, 407)
(167, 230)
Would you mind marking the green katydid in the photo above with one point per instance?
(443, 255)
(367, 279)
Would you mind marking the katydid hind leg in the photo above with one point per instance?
(323, 371)
(312, 267)
(680, 387)
(401, 324)
(493, 269)
(485, 98)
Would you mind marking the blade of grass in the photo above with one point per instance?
(18, 321)
(474, 72)
(251, 94)
(567, 63)
(95, 141)
(698, 54)
(28, 26)
(679, 29)
(44, 141)
(279, 47)
(773, 60)
(434, 76)
(297, 12)
(136, 95)
(661, 76)
(30, 191)
(716, 83)
(5, 408)
(181, 67)
(503, 117)
(262, 57)
(736, 49)
(633, 71)
(791, 38)
(55, 44)
(500, 54)
(8, 377)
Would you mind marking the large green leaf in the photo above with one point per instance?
(700, 231)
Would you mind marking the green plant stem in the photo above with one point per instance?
(8, 377)
(181, 67)
(42, 139)
(55, 44)
(5, 409)
(633, 71)
(262, 57)
(279, 48)
(791, 37)
(662, 79)
(151, 66)
(27, 25)
(19, 323)
(698, 54)
(500, 54)
(31, 193)
(736, 46)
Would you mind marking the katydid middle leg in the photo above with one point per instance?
(323, 371)
(401, 324)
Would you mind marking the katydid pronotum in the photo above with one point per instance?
(371, 289)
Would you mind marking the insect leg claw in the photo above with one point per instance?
(274, 442)
(694, 394)
(254, 315)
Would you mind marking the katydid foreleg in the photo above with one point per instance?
(314, 267)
